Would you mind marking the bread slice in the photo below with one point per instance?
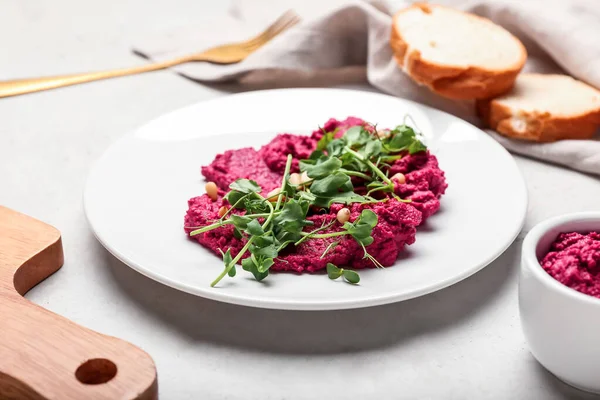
(544, 108)
(458, 55)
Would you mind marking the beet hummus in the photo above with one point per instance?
(574, 261)
(423, 185)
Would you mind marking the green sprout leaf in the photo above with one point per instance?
(227, 259)
(267, 252)
(352, 134)
(226, 256)
(240, 221)
(250, 266)
(325, 140)
(362, 228)
(324, 168)
(264, 265)
(361, 232)
(306, 198)
(315, 155)
(240, 190)
(264, 240)
(403, 137)
(341, 198)
(237, 234)
(305, 164)
(346, 198)
(232, 271)
(255, 205)
(351, 276)
(367, 241)
(376, 185)
(379, 187)
(312, 160)
(236, 199)
(254, 228)
(333, 272)
(332, 184)
(372, 149)
(369, 217)
(357, 136)
(245, 186)
(335, 148)
(289, 223)
(289, 190)
(416, 147)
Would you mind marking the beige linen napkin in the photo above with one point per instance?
(344, 42)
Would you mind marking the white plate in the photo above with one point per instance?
(136, 198)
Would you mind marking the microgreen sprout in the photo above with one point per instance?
(349, 276)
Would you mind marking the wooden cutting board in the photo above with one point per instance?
(46, 356)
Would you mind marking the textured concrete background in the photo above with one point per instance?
(464, 342)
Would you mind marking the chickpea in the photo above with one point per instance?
(295, 178)
(211, 190)
(304, 177)
(400, 178)
(382, 134)
(343, 215)
(273, 195)
(222, 211)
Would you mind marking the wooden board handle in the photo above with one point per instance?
(43, 355)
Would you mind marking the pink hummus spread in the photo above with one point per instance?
(574, 261)
(397, 221)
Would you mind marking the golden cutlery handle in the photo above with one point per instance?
(22, 86)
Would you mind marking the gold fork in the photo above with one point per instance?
(226, 54)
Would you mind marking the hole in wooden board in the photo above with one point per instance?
(96, 371)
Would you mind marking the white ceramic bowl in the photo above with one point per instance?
(561, 325)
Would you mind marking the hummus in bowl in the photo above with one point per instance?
(561, 324)
(574, 261)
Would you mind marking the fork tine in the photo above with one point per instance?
(286, 17)
(272, 31)
(285, 25)
(285, 21)
(290, 21)
(235, 52)
(268, 36)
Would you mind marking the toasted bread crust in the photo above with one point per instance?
(451, 81)
(538, 126)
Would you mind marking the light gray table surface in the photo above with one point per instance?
(464, 342)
